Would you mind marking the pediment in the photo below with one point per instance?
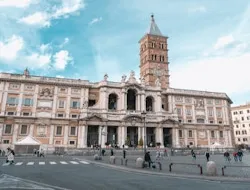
(169, 121)
(95, 117)
(134, 86)
(131, 117)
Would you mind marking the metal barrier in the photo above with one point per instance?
(224, 167)
(125, 163)
(198, 165)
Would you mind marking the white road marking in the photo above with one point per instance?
(41, 163)
(84, 162)
(74, 162)
(62, 162)
(52, 163)
(19, 163)
(6, 164)
(30, 163)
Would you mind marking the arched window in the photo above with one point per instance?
(149, 103)
(131, 99)
(112, 105)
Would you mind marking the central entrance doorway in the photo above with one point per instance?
(112, 135)
(167, 136)
(93, 135)
(150, 136)
(132, 136)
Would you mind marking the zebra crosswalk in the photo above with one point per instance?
(46, 163)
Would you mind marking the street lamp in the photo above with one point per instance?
(144, 126)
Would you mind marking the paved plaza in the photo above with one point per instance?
(185, 164)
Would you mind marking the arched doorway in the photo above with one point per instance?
(112, 103)
(131, 99)
(149, 103)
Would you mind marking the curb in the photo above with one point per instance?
(170, 175)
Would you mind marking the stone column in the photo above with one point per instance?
(139, 102)
(170, 104)
(20, 100)
(31, 131)
(125, 101)
(119, 133)
(184, 114)
(193, 114)
(66, 135)
(208, 138)
(84, 136)
(218, 136)
(140, 133)
(102, 137)
(215, 115)
(5, 96)
(160, 133)
(1, 133)
(158, 103)
(54, 102)
(15, 133)
(186, 137)
(195, 138)
(35, 100)
(124, 134)
(229, 139)
(143, 102)
(79, 137)
(68, 103)
(51, 135)
(177, 144)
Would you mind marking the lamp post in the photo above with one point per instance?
(144, 126)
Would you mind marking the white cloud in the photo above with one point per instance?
(45, 47)
(37, 60)
(15, 3)
(224, 41)
(62, 59)
(11, 47)
(43, 18)
(59, 76)
(66, 41)
(197, 9)
(95, 20)
(38, 18)
(68, 7)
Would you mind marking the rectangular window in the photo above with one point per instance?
(217, 102)
(60, 115)
(219, 113)
(7, 129)
(12, 101)
(57, 142)
(6, 141)
(209, 101)
(180, 133)
(188, 100)
(72, 142)
(211, 121)
(74, 116)
(244, 139)
(200, 121)
(212, 134)
(210, 112)
(24, 130)
(179, 111)
(59, 130)
(26, 114)
(248, 111)
(61, 104)
(190, 133)
(27, 102)
(178, 99)
(75, 104)
(220, 122)
(241, 112)
(72, 131)
(188, 111)
(239, 139)
(221, 134)
(10, 113)
(242, 118)
(243, 125)
(237, 126)
(189, 121)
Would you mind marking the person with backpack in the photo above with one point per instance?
(10, 156)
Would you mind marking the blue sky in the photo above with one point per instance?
(208, 40)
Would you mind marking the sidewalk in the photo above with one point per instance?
(239, 169)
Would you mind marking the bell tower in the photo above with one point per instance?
(154, 57)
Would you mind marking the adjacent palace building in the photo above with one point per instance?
(241, 120)
(70, 113)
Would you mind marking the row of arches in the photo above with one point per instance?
(131, 101)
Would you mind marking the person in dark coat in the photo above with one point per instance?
(207, 154)
(147, 158)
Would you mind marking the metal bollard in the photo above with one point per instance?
(222, 170)
(201, 170)
(126, 162)
(121, 161)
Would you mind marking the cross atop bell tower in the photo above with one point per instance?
(154, 57)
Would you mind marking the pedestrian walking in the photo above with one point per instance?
(166, 152)
(147, 159)
(41, 153)
(10, 156)
(124, 153)
(207, 154)
(235, 155)
(111, 152)
(227, 156)
(193, 154)
(240, 155)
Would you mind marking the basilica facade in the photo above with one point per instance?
(70, 113)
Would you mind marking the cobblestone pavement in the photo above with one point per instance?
(186, 165)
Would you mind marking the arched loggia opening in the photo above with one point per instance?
(131, 99)
(112, 104)
(149, 103)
